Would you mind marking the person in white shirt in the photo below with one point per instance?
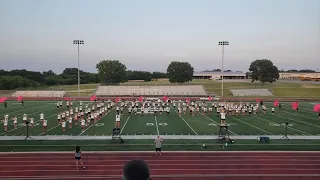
(95, 116)
(179, 111)
(5, 123)
(88, 121)
(83, 124)
(117, 121)
(24, 118)
(264, 108)
(31, 122)
(70, 122)
(63, 124)
(272, 110)
(76, 119)
(44, 123)
(41, 116)
(59, 118)
(168, 110)
(223, 117)
(15, 121)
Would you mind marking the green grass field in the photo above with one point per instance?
(304, 123)
(168, 145)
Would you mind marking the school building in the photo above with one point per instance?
(218, 75)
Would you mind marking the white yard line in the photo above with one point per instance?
(49, 129)
(186, 123)
(155, 119)
(125, 124)
(253, 126)
(217, 123)
(294, 113)
(34, 112)
(23, 109)
(94, 123)
(299, 121)
(23, 126)
(288, 126)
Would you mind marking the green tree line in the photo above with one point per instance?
(113, 71)
(32, 79)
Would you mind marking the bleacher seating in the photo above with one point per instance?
(183, 90)
(39, 93)
(251, 92)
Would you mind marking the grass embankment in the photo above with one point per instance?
(279, 89)
(169, 145)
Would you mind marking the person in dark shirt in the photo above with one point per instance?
(136, 170)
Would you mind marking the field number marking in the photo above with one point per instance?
(23, 124)
(160, 124)
(99, 124)
(214, 124)
(163, 124)
(278, 125)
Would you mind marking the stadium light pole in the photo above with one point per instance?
(222, 43)
(78, 42)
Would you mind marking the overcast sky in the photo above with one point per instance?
(149, 34)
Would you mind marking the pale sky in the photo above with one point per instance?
(149, 34)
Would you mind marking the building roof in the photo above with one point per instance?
(219, 74)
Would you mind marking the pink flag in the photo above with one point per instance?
(316, 108)
(258, 100)
(210, 98)
(67, 99)
(188, 100)
(93, 97)
(3, 99)
(276, 103)
(19, 98)
(295, 105)
(118, 99)
(165, 98)
(140, 98)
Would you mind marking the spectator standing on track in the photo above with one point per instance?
(158, 142)
(78, 157)
(136, 170)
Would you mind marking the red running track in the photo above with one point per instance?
(171, 166)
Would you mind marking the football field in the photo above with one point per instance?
(306, 122)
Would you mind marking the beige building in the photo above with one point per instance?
(218, 75)
(298, 75)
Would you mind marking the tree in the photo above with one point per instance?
(180, 72)
(111, 71)
(307, 71)
(264, 71)
(139, 75)
(158, 75)
(48, 73)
